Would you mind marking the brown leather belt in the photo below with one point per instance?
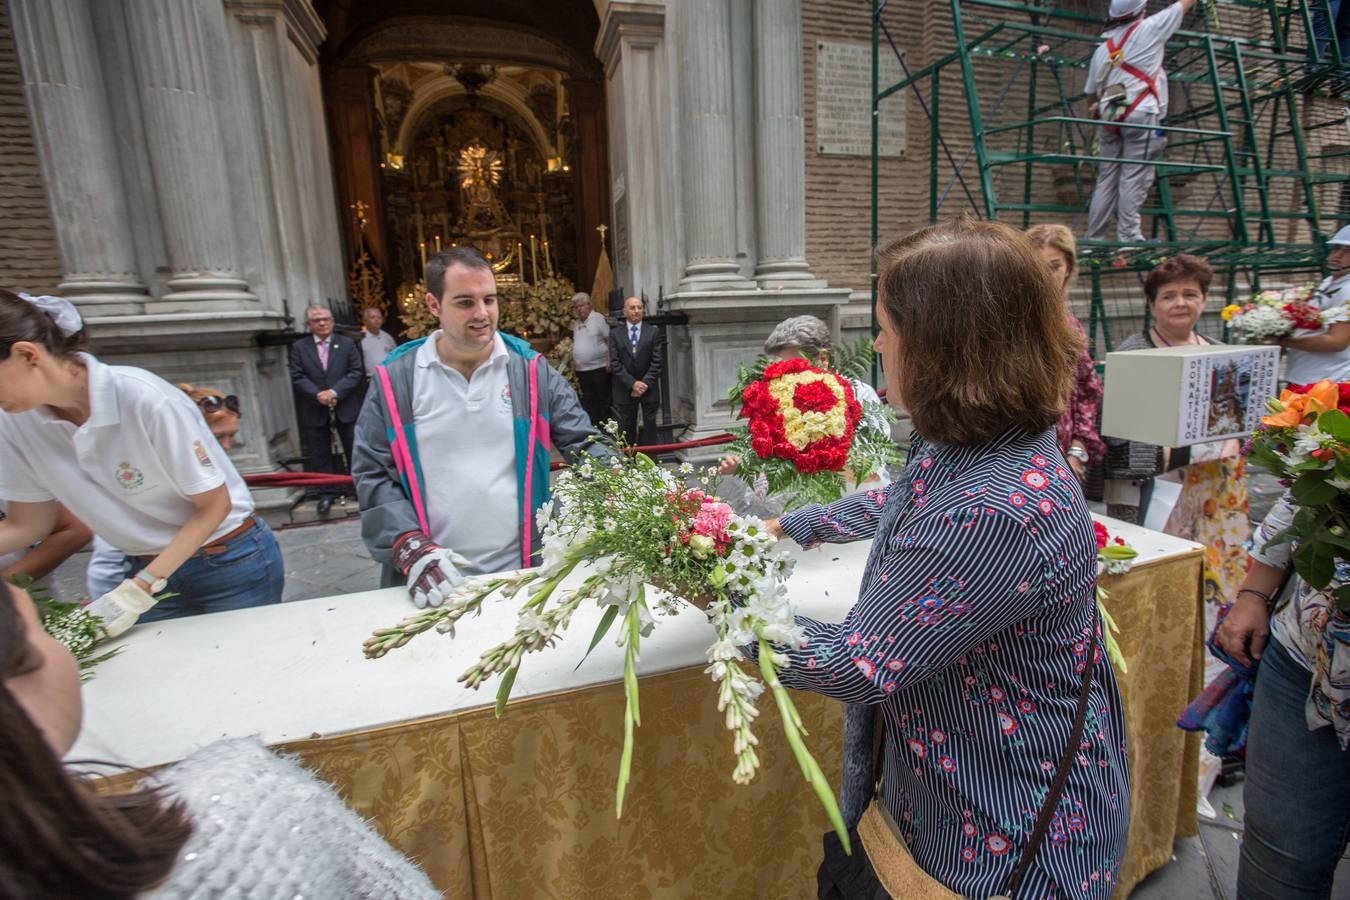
(221, 544)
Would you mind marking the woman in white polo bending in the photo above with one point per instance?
(131, 456)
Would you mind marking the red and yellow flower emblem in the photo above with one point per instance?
(802, 414)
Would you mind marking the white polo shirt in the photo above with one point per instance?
(590, 343)
(374, 348)
(466, 442)
(1309, 367)
(130, 470)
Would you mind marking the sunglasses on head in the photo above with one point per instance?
(212, 403)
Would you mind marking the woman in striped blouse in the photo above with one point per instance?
(976, 612)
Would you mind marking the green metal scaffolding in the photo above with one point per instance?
(1238, 182)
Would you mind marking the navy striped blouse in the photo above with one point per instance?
(971, 628)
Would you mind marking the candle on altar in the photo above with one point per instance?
(548, 260)
(534, 263)
(422, 249)
(438, 243)
(520, 260)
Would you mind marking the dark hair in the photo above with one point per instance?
(22, 321)
(469, 257)
(1183, 267)
(58, 837)
(983, 342)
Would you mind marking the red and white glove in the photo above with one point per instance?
(119, 609)
(433, 571)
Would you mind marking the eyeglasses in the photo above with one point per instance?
(211, 403)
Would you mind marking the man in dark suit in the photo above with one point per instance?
(326, 373)
(636, 361)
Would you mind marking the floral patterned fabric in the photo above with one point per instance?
(1311, 627)
(972, 628)
(1079, 422)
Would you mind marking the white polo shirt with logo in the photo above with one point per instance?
(466, 443)
(130, 471)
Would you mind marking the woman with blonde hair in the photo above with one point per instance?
(1077, 433)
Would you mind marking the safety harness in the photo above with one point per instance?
(1115, 54)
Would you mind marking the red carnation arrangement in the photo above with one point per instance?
(802, 414)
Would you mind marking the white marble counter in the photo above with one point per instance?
(296, 670)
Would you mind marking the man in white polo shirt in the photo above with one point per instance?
(452, 446)
(376, 343)
(590, 358)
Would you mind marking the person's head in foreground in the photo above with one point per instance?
(1176, 290)
(971, 332)
(58, 838)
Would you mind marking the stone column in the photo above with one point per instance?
(168, 46)
(707, 148)
(68, 106)
(780, 146)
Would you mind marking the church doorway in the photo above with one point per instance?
(482, 125)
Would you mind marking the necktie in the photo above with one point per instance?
(633, 331)
(323, 354)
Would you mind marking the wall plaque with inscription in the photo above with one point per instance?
(844, 102)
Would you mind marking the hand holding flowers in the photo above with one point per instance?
(632, 523)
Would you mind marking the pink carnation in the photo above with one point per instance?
(712, 519)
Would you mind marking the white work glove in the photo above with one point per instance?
(433, 571)
(121, 607)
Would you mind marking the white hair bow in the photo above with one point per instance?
(61, 310)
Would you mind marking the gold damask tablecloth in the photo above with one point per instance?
(523, 806)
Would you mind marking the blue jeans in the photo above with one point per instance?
(248, 573)
(1297, 792)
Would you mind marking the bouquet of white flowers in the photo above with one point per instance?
(633, 523)
(1274, 314)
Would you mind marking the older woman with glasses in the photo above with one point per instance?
(1211, 508)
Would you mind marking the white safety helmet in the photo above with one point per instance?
(1126, 9)
(1340, 238)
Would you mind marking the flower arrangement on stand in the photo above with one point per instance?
(541, 311)
(1271, 315)
(1114, 557)
(1305, 442)
(806, 430)
(627, 524)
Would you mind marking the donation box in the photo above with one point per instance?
(1178, 396)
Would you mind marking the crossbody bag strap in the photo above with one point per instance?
(1062, 774)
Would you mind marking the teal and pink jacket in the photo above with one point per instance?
(386, 459)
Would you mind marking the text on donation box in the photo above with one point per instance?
(1178, 396)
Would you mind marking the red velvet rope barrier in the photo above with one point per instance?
(322, 479)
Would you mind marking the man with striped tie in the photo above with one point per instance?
(636, 361)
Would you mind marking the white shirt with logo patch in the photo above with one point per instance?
(466, 442)
(130, 471)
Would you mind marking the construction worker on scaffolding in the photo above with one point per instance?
(1127, 84)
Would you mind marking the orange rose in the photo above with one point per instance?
(1296, 407)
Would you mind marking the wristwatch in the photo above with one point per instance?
(151, 584)
(1077, 453)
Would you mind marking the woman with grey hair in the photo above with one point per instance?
(799, 336)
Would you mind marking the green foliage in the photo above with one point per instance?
(69, 623)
